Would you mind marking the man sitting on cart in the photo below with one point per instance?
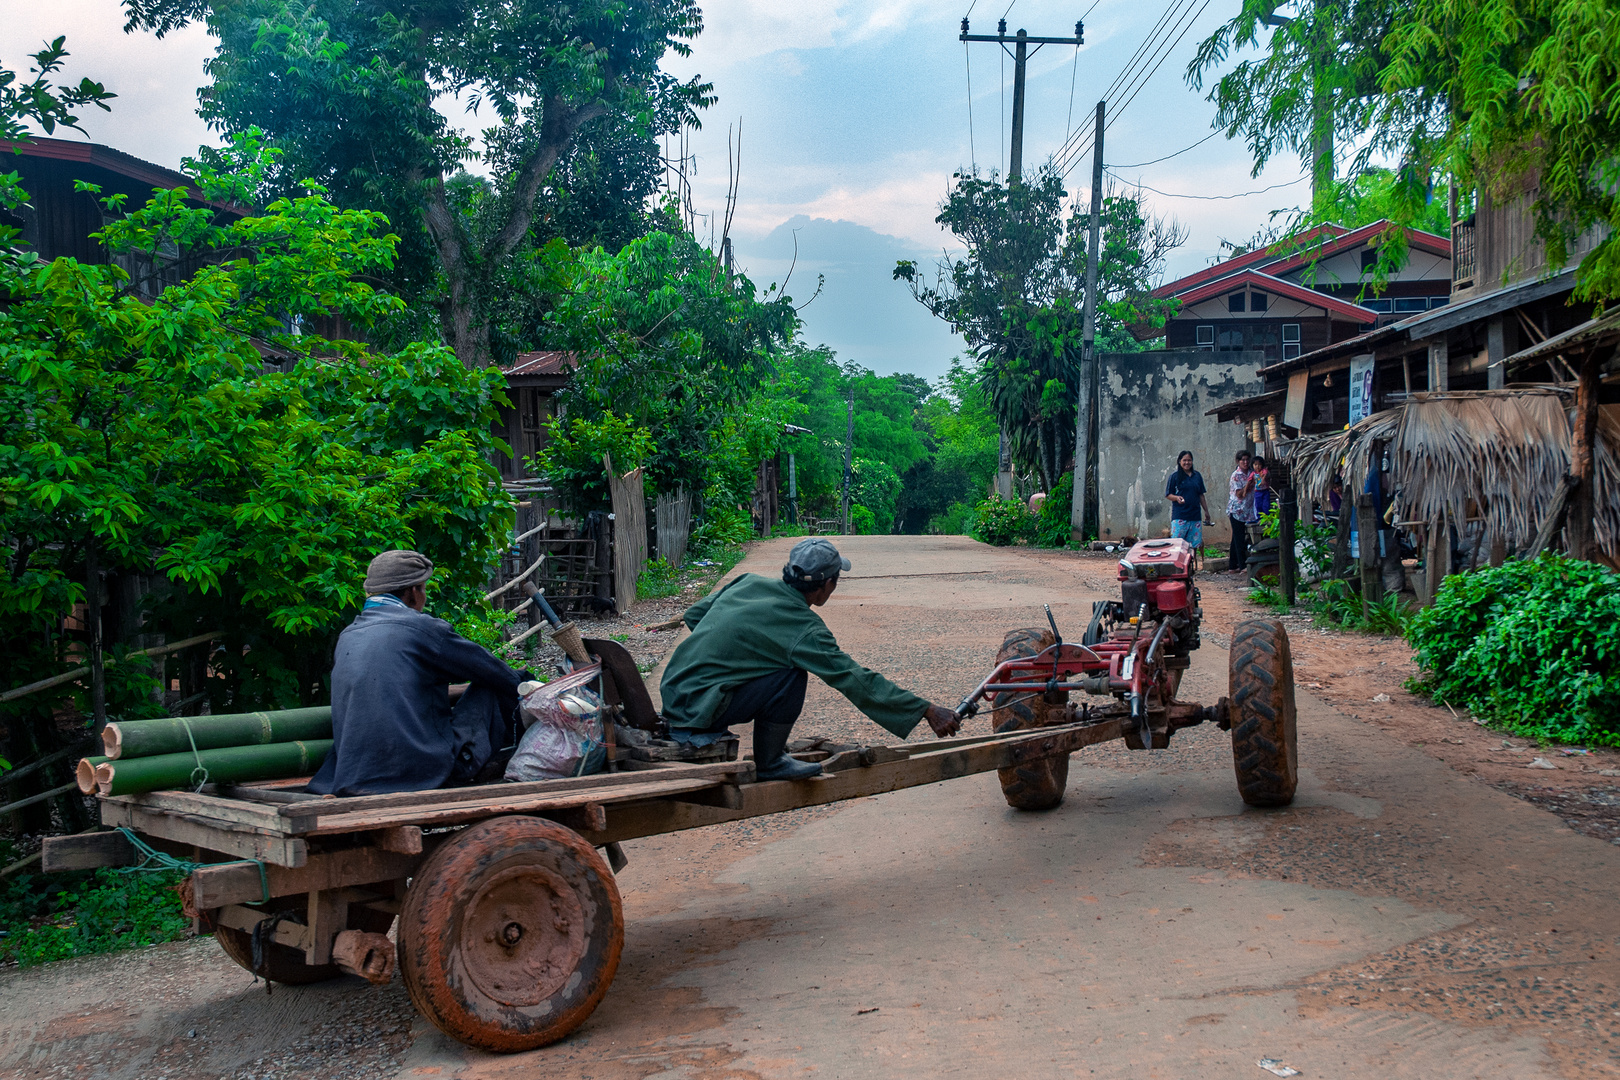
(393, 727)
(752, 648)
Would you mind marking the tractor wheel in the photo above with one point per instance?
(1264, 749)
(1038, 784)
(510, 934)
(283, 963)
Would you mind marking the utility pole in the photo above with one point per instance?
(849, 454)
(1083, 515)
(1322, 167)
(1020, 53)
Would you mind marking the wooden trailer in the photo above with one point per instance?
(510, 923)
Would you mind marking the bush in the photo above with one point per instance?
(1001, 522)
(1532, 647)
(45, 919)
(1266, 596)
(658, 579)
(1052, 528)
(862, 522)
(957, 520)
(723, 527)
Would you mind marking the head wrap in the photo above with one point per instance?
(393, 571)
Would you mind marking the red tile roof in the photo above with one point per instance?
(1278, 287)
(1423, 241)
(1250, 258)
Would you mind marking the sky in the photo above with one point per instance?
(853, 118)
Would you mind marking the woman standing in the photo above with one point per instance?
(1189, 510)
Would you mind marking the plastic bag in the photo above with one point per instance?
(564, 732)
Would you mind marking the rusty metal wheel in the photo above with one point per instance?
(1264, 749)
(1038, 784)
(283, 963)
(510, 934)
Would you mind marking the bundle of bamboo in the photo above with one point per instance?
(184, 751)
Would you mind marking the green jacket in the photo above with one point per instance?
(756, 626)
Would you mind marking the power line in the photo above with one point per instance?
(1157, 48)
(1072, 150)
(1163, 56)
(1069, 122)
(1205, 198)
(1167, 157)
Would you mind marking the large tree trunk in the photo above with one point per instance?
(1582, 525)
(465, 328)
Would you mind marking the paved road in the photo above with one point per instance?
(1399, 920)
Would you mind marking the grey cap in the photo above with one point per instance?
(395, 570)
(813, 560)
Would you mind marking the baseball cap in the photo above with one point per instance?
(813, 560)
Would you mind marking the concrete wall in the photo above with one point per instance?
(1152, 408)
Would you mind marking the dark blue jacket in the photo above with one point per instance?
(393, 728)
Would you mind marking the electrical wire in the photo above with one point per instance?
(1163, 56)
(1205, 198)
(1074, 148)
(1068, 124)
(1156, 50)
(1167, 157)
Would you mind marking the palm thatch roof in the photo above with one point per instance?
(1496, 454)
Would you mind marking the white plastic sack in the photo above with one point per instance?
(564, 733)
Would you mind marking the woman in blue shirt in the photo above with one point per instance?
(1189, 510)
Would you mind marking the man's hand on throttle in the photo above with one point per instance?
(944, 722)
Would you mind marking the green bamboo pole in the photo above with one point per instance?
(85, 773)
(167, 735)
(228, 765)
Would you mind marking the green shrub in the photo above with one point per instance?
(957, 520)
(1001, 522)
(658, 579)
(1532, 647)
(1052, 528)
(862, 522)
(1266, 596)
(1389, 616)
(54, 918)
(723, 526)
(490, 627)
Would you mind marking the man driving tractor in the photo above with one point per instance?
(754, 645)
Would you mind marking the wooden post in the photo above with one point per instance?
(1495, 355)
(1372, 582)
(92, 620)
(1287, 571)
(1341, 542)
(1437, 559)
(1582, 525)
(1439, 365)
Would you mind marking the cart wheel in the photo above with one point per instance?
(1262, 701)
(510, 934)
(283, 963)
(1038, 784)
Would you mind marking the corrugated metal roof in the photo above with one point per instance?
(542, 363)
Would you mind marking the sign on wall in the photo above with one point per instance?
(1361, 387)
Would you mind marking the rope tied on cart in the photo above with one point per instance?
(152, 860)
(196, 781)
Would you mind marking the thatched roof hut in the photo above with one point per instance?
(1496, 454)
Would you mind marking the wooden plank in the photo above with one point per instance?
(653, 818)
(86, 851)
(403, 839)
(208, 835)
(738, 772)
(478, 809)
(216, 807)
(245, 919)
(238, 883)
(327, 914)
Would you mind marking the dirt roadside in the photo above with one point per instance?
(1364, 676)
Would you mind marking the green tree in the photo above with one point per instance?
(1016, 295)
(1502, 97)
(960, 433)
(348, 91)
(666, 343)
(156, 441)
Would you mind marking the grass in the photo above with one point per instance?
(1266, 596)
(45, 917)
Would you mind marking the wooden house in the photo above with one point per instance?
(532, 383)
(1304, 293)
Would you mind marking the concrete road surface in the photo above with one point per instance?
(1399, 920)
